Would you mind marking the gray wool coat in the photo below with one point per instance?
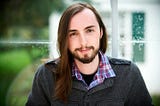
(126, 89)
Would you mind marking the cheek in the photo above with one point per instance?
(95, 41)
(71, 45)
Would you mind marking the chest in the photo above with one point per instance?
(102, 95)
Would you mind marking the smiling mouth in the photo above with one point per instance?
(84, 50)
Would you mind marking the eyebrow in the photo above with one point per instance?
(91, 26)
(73, 30)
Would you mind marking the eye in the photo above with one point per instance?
(90, 30)
(73, 34)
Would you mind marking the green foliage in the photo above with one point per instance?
(15, 60)
(30, 12)
(58, 5)
(27, 33)
(33, 13)
(12, 62)
(156, 100)
(19, 90)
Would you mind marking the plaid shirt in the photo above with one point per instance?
(104, 71)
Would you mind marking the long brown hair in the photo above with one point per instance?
(64, 73)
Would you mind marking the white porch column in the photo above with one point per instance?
(115, 36)
(53, 28)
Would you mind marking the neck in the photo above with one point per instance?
(89, 68)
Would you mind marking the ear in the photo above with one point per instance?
(101, 33)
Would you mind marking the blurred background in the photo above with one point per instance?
(28, 33)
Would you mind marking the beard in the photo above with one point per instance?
(85, 58)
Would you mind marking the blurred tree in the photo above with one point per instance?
(33, 13)
(27, 12)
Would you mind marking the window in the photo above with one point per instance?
(138, 29)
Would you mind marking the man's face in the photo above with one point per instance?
(84, 36)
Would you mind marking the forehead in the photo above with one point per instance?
(83, 18)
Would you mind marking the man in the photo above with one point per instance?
(83, 75)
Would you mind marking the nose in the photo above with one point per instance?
(83, 40)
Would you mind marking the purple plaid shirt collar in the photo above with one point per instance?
(104, 71)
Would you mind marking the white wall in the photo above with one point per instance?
(152, 65)
(150, 69)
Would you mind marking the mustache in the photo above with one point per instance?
(89, 47)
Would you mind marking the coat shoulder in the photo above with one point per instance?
(117, 61)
